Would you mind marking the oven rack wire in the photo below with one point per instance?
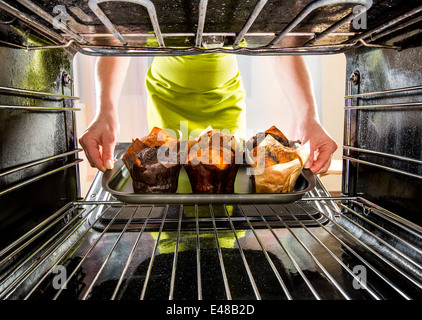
(65, 37)
(351, 254)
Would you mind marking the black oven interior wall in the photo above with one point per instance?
(383, 132)
(38, 171)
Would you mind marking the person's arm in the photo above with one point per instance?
(295, 82)
(99, 139)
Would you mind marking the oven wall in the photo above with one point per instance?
(31, 194)
(393, 183)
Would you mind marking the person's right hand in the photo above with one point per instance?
(322, 146)
(99, 141)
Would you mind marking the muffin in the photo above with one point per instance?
(275, 162)
(154, 163)
(213, 159)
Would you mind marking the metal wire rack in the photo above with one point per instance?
(92, 39)
(197, 252)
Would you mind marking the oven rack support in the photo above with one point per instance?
(348, 148)
(32, 108)
(38, 177)
(19, 91)
(34, 163)
(394, 266)
(69, 38)
(42, 95)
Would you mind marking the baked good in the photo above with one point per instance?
(275, 162)
(154, 163)
(213, 159)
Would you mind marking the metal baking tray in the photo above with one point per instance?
(118, 183)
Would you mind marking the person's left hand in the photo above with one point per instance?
(322, 146)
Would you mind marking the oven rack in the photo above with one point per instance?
(153, 42)
(352, 254)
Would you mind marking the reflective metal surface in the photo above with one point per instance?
(383, 136)
(38, 147)
(106, 252)
(143, 27)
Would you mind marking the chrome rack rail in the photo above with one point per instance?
(382, 93)
(19, 91)
(36, 93)
(79, 43)
(417, 176)
(33, 108)
(38, 177)
(406, 105)
(74, 244)
(377, 93)
(28, 165)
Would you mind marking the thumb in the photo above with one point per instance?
(308, 164)
(108, 155)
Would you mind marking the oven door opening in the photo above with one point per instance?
(356, 235)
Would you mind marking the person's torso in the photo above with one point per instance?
(203, 72)
(200, 90)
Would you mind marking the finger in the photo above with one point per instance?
(309, 162)
(108, 155)
(322, 163)
(325, 168)
(82, 143)
(91, 163)
(92, 152)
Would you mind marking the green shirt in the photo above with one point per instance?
(204, 90)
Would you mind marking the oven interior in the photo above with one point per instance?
(58, 244)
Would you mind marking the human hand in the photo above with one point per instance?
(321, 144)
(99, 141)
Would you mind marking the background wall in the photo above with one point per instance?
(263, 101)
